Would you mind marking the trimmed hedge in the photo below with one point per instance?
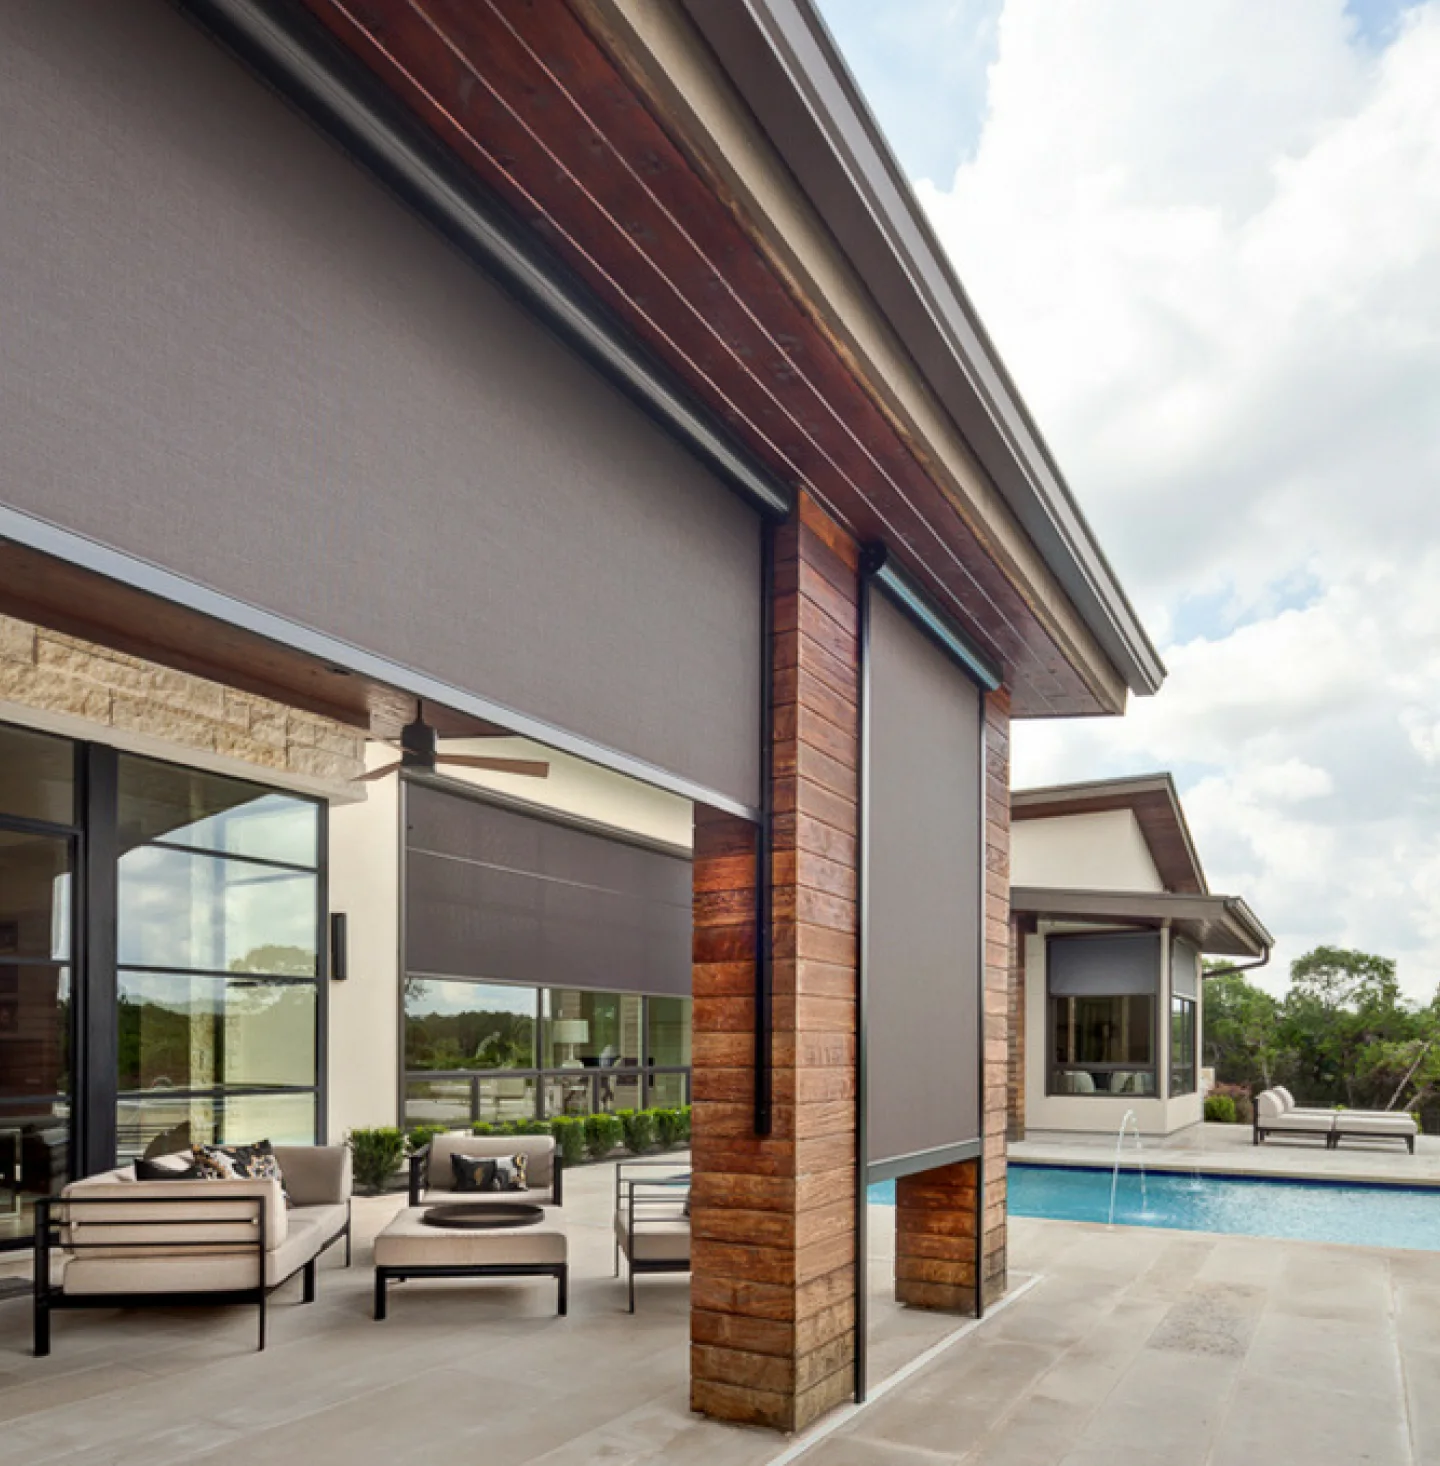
(376, 1155)
(1220, 1109)
(579, 1137)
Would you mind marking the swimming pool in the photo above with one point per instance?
(1309, 1211)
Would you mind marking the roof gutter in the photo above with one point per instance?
(784, 63)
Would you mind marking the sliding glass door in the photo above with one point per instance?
(38, 851)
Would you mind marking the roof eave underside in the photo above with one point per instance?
(1222, 925)
(783, 62)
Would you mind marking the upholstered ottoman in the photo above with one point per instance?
(410, 1248)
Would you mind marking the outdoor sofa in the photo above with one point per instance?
(111, 1241)
(1277, 1113)
(432, 1170)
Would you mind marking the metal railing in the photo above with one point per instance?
(538, 1094)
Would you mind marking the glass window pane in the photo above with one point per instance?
(506, 1099)
(591, 1030)
(438, 1102)
(37, 776)
(468, 1025)
(157, 1124)
(669, 1045)
(34, 1030)
(201, 911)
(182, 806)
(183, 1032)
(667, 1091)
(1104, 1030)
(34, 1161)
(34, 895)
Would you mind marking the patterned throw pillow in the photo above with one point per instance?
(472, 1173)
(510, 1173)
(240, 1163)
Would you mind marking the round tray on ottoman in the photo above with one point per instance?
(483, 1216)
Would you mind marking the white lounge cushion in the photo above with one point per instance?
(1300, 1123)
(1356, 1122)
(212, 1204)
(408, 1242)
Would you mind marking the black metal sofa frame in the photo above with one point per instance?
(647, 1201)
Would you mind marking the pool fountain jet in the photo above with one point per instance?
(1130, 1119)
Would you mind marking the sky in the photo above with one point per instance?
(1205, 237)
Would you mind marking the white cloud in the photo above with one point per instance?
(1206, 239)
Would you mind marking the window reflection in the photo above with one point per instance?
(468, 1025)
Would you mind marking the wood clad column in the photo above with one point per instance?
(773, 1218)
(938, 1212)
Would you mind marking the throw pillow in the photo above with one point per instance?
(240, 1163)
(160, 1171)
(510, 1173)
(473, 1173)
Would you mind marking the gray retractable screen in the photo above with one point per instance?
(922, 921)
(1184, 970)
(495, 894)
(227, 351)
(1104, 967)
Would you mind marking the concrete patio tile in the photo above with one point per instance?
(1167, 1403)
(1038, 1432)
(843, 1450)
(1272, 1420)
(1212, 1319)
(1328, 1354)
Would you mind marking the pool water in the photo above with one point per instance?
(1309, 1211)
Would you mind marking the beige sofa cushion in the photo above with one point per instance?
(539, 1151)
(654, 1240)
(315, 1175)
(408, 1242)
(198, 1271)
(1301, 1122)
(436, 1197)
(209, 1210)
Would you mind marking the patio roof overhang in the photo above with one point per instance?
(1221, 925)
(551, 146)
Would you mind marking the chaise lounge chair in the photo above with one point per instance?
(1274, 1117)
(1358, 1124)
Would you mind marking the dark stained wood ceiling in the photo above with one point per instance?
(530, 101)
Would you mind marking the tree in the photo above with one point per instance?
(1241, 1037)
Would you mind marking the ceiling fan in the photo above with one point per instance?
(420, 751)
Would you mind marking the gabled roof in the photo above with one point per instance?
(1156, 807)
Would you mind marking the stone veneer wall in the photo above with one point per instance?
(51, 672)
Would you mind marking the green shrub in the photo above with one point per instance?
(638, 1128)
(668, 1125)
(682, 1136)
(1244, 1105)
(527, 1127)
(602, 1134)
(1220, 1109)
(569, 1133)
(377, 1155)
(417, 1137)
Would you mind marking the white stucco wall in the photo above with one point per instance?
(365, 883)
(1095, 1114)
(1104, 851)
(364, 1023)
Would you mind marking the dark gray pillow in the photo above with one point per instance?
(154, 1171)
(472, 1173)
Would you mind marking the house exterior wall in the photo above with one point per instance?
(1160, 1115)
(1103, 851)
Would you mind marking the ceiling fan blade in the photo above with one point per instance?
(532, 768)
(376, 773)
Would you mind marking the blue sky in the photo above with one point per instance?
(1205, 236)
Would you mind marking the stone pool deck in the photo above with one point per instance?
(1228, 1150)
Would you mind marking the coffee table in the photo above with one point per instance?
(482, 1216)
(414, 1245)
